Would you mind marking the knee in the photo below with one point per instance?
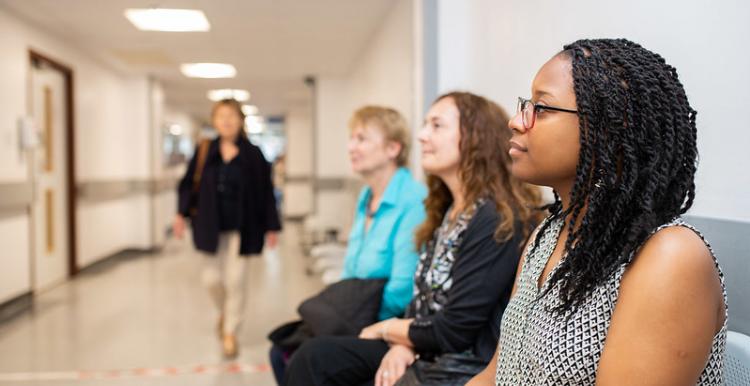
(210, 278)
(235, 279)
(314, 348)
(310, 354)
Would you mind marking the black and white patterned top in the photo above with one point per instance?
(434, 277)
(538, 347)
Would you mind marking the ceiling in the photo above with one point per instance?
(273, 44)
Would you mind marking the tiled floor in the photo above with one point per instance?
(151, 312)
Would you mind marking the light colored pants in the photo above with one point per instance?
(224, 275)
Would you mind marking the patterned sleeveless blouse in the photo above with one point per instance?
(540, 348)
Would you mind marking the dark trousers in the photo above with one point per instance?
(335, 361)
(278, 363)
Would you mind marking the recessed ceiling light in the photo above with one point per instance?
(208, 70)
(169, 20)
(250, 109)
(227, 93)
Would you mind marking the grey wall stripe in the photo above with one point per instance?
(99, 191)
(13, 212)
(15, 198)
(731, 243)
(165, 184)
(329, 184)
(337, 183)
(297, 179)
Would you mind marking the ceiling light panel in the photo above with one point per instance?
(208, 70)
(168, 20)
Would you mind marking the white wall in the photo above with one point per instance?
(298, 193)
(383, 74)
(14, 231)
(494, 48)
(335, 105)
(112, 125)
(14, 77)
(112, 139)
(15, 278)
(109, 227)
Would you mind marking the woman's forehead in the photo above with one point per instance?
(444, 107)
(554, 80)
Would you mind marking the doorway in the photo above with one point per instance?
(53, 209)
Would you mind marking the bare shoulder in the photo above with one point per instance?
(674, 276)
(673, 257)
(669, 309)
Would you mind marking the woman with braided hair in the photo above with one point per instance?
(614, 288)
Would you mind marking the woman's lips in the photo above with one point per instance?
(516, 146)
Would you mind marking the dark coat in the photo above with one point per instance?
(257, 202)
(342, 309)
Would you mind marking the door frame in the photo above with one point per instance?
(67, 72)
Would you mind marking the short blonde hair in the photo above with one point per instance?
(390, 122)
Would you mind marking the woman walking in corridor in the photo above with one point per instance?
(228, 196)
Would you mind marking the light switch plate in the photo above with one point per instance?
(27, 133)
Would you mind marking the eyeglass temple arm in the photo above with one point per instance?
(556, 109)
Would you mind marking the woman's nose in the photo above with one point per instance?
(516, 123)
(351, 145)
(422, 134)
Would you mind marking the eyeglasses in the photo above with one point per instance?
(529, 109)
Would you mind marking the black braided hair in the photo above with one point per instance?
(636, 165)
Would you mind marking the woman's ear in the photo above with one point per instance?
(393, 149)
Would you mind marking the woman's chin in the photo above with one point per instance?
(360, 169)
(428, 165)
(521, 171)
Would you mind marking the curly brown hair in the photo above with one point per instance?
(484, 171)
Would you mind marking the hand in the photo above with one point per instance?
(394, 365)
(373, 332)
(178, 227)
(272, 239)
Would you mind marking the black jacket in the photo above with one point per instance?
(257, 201)
(342, 309)
(483, 276)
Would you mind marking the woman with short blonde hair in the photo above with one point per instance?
(389, 209)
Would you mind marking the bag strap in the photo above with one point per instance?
(201, 162)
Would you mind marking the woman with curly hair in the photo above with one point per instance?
(614, 288)
(478, 218)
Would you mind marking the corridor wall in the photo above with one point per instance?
(113, 142)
